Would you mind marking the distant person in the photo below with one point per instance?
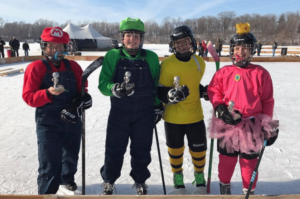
(258, 47)
(70, 47)
(26, 48)
(58, 119)
(2, 43)
(16, 46)
(200, 49)
(218, 46)
(11, 47)
(203, 44)
(274, 47)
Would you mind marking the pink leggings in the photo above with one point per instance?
(227, 165)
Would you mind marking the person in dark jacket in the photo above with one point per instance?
(58, 121)
(258, 47)
(2, 43)
(26, 48)
(218, 46)
(16, 46)
(11, 47)
(274, 47)
(200, 49)
(130, 77)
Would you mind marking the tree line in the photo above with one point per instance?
(283, 28)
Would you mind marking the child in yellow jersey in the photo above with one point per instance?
(179, 89)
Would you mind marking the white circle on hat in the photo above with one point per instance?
(56, 33)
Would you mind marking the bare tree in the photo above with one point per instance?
(226, 19)
(284, 28)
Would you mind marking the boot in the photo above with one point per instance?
(225, 189)
(246, 190)
(141, 188)
(108, 188)
(200, 183)
(70, 187)
(178, 180)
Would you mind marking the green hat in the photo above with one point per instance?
(132, 24)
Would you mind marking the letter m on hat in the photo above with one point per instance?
(56, 32)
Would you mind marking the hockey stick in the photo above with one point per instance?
(216, 58)
(255, 170)
(161, 169)
(86, 73)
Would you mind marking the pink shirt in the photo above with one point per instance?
(250, 88)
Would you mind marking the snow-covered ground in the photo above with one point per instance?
(279, 169)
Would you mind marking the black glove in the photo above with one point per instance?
(273, 139)
(223, 113)
(179, 94)
(203, 92)
(73, 111)
(158, 111)
(120, 90)
(87, 101)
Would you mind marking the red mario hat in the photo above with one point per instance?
(55, 34)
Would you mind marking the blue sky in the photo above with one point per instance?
(115, 10)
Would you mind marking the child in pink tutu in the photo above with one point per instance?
(242, 96)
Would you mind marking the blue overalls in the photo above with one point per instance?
(130, 117)
(58, 141)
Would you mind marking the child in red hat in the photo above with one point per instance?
(53, 86)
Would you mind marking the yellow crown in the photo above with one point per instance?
(242, 28)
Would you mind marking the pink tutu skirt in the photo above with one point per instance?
(247, 136)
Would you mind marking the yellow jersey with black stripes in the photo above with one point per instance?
(190, 74)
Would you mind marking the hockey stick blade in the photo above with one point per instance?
(213, 52)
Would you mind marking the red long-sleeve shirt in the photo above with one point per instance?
(250, 88)
(33, 77)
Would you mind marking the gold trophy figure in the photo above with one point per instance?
(176, 82)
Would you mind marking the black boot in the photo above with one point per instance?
(108, 188)
(225, 189)
(141, 188)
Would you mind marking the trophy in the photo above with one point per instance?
(230, 109)
(58, 88)
(176, 82)
(127, 76)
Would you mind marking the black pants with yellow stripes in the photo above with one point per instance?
(197, 142)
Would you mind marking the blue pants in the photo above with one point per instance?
(134, 124)
(58, 157)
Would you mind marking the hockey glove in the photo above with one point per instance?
(179, 94)
(272, 140)
(223, 113)
(73, 111)
(87, 101)
(203, 92)
(120, 90)
(158, 111)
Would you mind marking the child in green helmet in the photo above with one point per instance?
(130, 76)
